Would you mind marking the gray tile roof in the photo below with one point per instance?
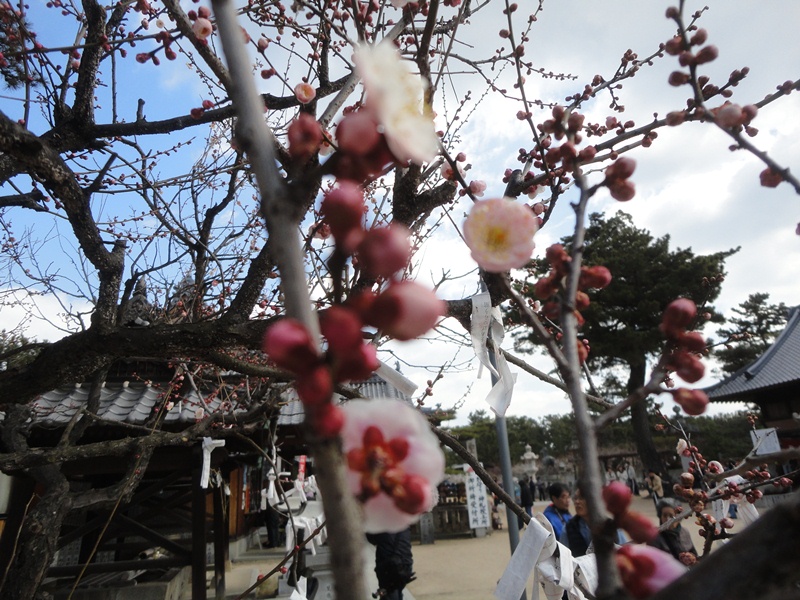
(128, 402)
(778, 366)
(134, 402)
(377, 388)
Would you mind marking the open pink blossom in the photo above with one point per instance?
(202, 28)
(499, 232)
(394, 462)
(397, 97)
(646, 570)
(305, 92)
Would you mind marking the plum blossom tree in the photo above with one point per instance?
(287, 193)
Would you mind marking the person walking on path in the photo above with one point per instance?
(526, 497)
(557, 512)
(656, 487)
(393, 562)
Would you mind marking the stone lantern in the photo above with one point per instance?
(529, 462)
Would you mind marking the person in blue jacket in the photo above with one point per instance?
(557, 511)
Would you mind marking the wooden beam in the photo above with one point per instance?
(114, 567)
(154, 536)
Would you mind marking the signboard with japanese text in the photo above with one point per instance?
(477, 502)
(765, 441)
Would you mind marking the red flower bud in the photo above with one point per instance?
(342, 328)
(622, 190)
(677, 316)
(596, 277)
(304, 135)
(289, 345)
(384, 250)
(638, 526)
(343, 209)
(770, 178)
(693, 402)
(315, 388)
(326, 420)
(358, 133)
(617, 497)
(622, 168)
(706, 55)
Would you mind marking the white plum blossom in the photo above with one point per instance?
(394, 462)
(499, 232)
(396, 95)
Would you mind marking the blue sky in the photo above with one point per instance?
(689, 185)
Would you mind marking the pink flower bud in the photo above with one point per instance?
(477, 188)
(729, 115)
(384, 250)
(326, 420)
(770, 178)
(617, 497)
(638, 526)
(621, 169)
(676, 117)
(342, 328)
(596, 277)
(202, 28)
(343, 209)
(699, 38)
(304, 135)
(706, 54)
(357, 133)
(358, 364)
(405, 310)
(677, 316)
(315, 387)
(289, 345)
(686, 366)
(692, 341)
(622, 190)
(687, 480)
(693, 402)
(304, 92)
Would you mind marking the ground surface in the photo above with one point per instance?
(455, 569)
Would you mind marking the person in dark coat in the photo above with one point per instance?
(676, 540)
(393, 562)
(576, 534)
(526, 497)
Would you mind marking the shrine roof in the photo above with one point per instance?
(778, 366)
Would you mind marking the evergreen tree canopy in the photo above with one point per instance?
(622, 320)
(751, 332)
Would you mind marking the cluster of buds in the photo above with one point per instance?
(687, 345)
(617, 497)
(196, 113)
(570, 126)
(548, 287)
(733, 116)
(684, 489)
(617, 179)
(201, 23)
(691, 51)
(363, 149)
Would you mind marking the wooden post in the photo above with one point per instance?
(220, 543)
(198, 528)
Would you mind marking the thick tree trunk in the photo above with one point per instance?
(642, 430)
(38, 539)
